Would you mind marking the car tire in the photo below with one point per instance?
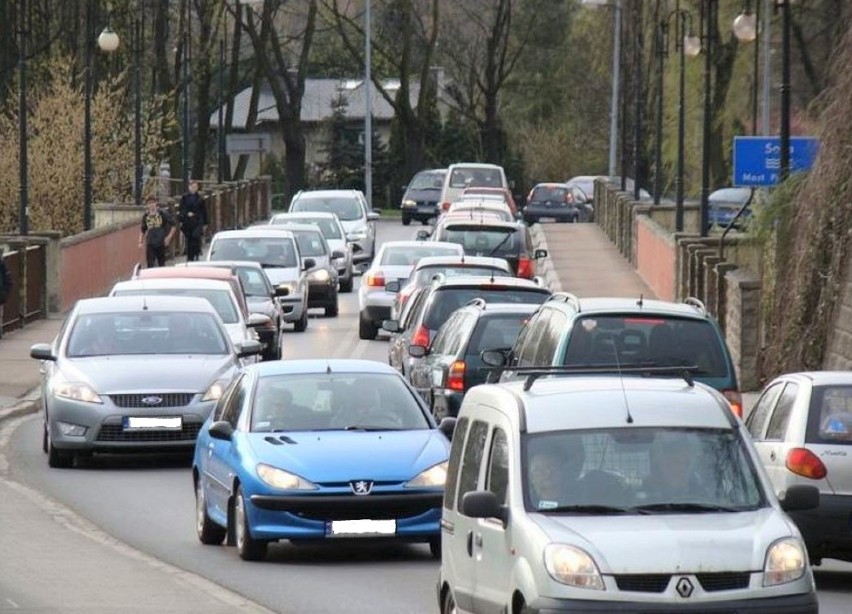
(302, 323)
(366, 328)
(448, 603)
(332, 309)
(248, 548)
(58, 459)
(406, 220)
(346, 284)
(208, 532)
(273, 352)
(44, 445)
(435, 547)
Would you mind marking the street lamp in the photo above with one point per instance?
(368, 108)
(745, 29)
(108, 42)
(784, 136)
(23, 171)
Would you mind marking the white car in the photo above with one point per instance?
(478, 206)
(335, 236)
(589, 493)
(217, 293)
(394, 261)
(353, 211)
(470, 175)
(802, 429)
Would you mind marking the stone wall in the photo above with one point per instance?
(838, 353)
(744, 325)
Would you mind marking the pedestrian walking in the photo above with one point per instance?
(5, 287)
(158, 228)
(192, 214)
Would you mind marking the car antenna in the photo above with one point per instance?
(621, 381)
(144, 303)
(327, 368)
(641, 301)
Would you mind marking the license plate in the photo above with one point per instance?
(132, 423)
(547, 219)
(362, 528)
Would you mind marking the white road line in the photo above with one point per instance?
(12, 604)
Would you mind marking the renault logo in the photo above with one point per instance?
(361, 487)
(152, 400)
(684, 587)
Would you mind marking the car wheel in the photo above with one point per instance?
(300, 325)
(406, 220)
(366, 328)
(333, 309)
(435, 547)
(44, 437)
(273, 351)
(346, 284)
(248, 548)
(448, 603)
(208, 531)
(58, 459)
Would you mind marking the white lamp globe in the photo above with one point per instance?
(745, 27)
(108, 40)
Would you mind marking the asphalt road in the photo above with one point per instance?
(149, 505)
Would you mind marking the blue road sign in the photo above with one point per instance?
(757, 159)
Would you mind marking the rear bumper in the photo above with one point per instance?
(561, 214)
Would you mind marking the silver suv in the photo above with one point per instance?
(607, 493)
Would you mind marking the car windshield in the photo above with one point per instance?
(220, 299)
(447, 300)
(646, 340)
(335, 401)
(408, 255)
(426, 274)
(639, 471)
(484, 241)
(552, 194)
(328, 227)
(105, 334)
(255, 282)
(346, 208)
(310, 243)
(476, 177)
(427, 181)
(268, 251)
(830, 416)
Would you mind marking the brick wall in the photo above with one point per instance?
(655, 257)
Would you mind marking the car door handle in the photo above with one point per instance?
(470, 543)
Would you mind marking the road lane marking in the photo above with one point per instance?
(12, 604)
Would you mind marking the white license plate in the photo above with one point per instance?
(547, 219)
(362, 528)
(132, 423)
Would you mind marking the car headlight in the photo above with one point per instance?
(77, 392)
(359, 234)
(785, 562)
(409, 203)
(572, 566)
(319, 275)
(436, 475)
(215, 391)
(289, 286)
(278, 478)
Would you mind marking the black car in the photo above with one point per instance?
(453, 364)
(420, 201)
(492, 238)
(556, 202)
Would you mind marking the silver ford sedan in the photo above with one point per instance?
(134, 374)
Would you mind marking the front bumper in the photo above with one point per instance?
(790, 604)
(421, 212)
(322, 293)
(826, 529)
(291, 308)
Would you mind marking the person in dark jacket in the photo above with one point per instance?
(192, 214)
(5, 287)
(158, 228)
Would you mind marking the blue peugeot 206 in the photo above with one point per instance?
(319, 449)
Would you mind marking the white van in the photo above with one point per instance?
(470, 175)
(603, 494)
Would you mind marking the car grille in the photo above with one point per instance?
(352, 507)
(115, 433)
(169, 399)
(726, 581)
(657, 583)
(427, 203)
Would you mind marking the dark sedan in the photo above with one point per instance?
(556, 202)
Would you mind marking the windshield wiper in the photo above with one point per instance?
(500, 244)
(587, 509)
(684, 507)
(359, 427)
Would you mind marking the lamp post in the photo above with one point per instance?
(368, 108)
(745, 29)
(784, 136)
(187, 58)
(23, 170)
(637, 93)
(108, 42)
(137, 111)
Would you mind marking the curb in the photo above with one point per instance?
(27, 404)
(548, 272)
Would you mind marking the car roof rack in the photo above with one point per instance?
(533, 373)
(696, 304)
(566, 297)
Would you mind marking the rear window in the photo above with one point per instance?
(484, 241)
(660, 341)
(476, 177)
(494, 333)
(549, 194)
(407, 255)
(446, 301)
(830, 416)
(328, 228)
(425, 275)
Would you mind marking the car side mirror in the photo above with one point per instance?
(447, 426)
(309, 264)
(249, 347)
(258, 320)
(392, 286)
(281, 291)
(494, 358)
(417, 351)
(422, 235)
(483, 504)
(372, 216)
(337, 255)
(221, 430)
(540, 253)
(800, 497)
(391, 326)
(42, 351)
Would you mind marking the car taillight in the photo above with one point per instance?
(455, 376)
(404, 295)
(735, 399)
(420, 336)
(445, 206)
(802, 461)
(376, 279)
(525, 268)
